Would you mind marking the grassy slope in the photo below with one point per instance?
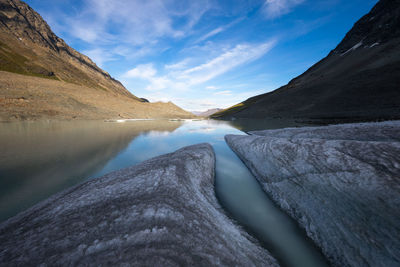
(14, 62)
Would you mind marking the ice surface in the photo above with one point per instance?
(341, 183)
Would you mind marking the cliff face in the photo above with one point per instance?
(358, 80)
(67, 84)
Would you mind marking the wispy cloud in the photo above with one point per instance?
(136, 21)
(239, 55)
(226, 92)
(136, 27)
(178, 66)
(218, 30)
(144, 71)
(210, 34)
(180, 78)
(277, 8)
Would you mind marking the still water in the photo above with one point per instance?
(38, 159)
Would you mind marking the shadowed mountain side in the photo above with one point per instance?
(359, 80)
(24, 97)
(55, 155)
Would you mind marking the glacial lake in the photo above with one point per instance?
(38, 159)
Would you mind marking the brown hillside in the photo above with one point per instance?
(24, 97)
(58, 73)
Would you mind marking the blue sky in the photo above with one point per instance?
(202, 54)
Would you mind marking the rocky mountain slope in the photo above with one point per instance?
(358, 80)
(29, 47)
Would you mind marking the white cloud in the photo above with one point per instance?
(210, 34)
(226, 92)
(144, 71)
(178, 79)
(149, 73)
(178, 66)
(134, 28)
(136, 22)
(218, 30)
(230, 59)
(132, 52)
(276, 8)
(218, 101)
(182, 79)
(158, 83)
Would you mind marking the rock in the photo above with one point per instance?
(161, 212)
(344, 193)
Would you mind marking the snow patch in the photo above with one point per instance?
(353, 48)
(374, 44)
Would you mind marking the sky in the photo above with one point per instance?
(202, 54)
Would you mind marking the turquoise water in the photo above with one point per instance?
(41, 158)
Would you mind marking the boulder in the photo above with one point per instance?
(162, 212)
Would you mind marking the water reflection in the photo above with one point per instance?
(43, 158)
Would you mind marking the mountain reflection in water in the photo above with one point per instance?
(39, 159)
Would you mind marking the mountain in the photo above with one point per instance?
(358, 81)
(39, 68)
(207, 113)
